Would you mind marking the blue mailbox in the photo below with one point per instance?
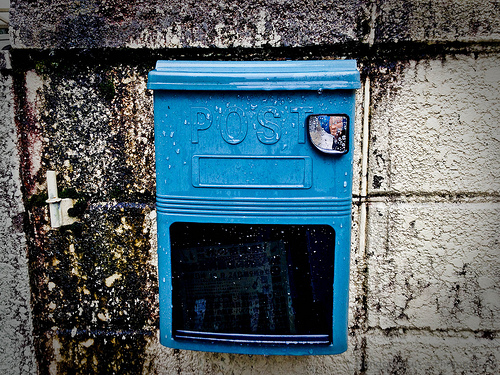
(254, 183)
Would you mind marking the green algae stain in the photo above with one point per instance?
(37, 200)
(107, 89)
(95, 305)
(85, 352)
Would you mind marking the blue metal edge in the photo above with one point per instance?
(254, 75)
(342, 227)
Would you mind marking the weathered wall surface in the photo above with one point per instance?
(16, 336)
(425, 274)
(433, 234)
(180, 24)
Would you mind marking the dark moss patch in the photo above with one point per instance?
(107, 89)
(377, 181)
(46, 66)
(40, 67)
(490, 335)
(116, 192)
(70, 193)
(78, 208)
(37, 200)
(81, 204)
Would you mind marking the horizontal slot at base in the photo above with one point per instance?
(253, 338)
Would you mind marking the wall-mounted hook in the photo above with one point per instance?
(58, 207)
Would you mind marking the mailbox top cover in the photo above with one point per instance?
(255, 75)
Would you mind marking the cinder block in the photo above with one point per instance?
(417, 352)
(164, 361)
(95, 129)
(95, 278)
(90, 352)
(5, 61)
(357, 305)
(177, 24)
(16, 329)
(95, 291)
(437, 21)
(434, 127)
(434, 266)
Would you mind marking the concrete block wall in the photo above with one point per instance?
(424, 294)
(16, 333)
(432, 222)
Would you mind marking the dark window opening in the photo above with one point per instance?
(266, 283)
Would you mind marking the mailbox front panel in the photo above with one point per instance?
(238, 281)
(254, 189)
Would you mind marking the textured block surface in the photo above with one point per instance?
(435, 127)
(434, 266)
(94, 127)
(424, 353)
(16, 340)
(174, 24)
(437, 21)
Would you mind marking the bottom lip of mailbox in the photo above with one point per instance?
(317, 339)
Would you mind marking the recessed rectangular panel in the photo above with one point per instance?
(252, 172)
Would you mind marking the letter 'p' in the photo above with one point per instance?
(201, 119)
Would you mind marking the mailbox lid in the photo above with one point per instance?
(255, 75)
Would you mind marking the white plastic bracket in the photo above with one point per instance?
(58, 207)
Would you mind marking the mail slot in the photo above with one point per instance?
(254, 184)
